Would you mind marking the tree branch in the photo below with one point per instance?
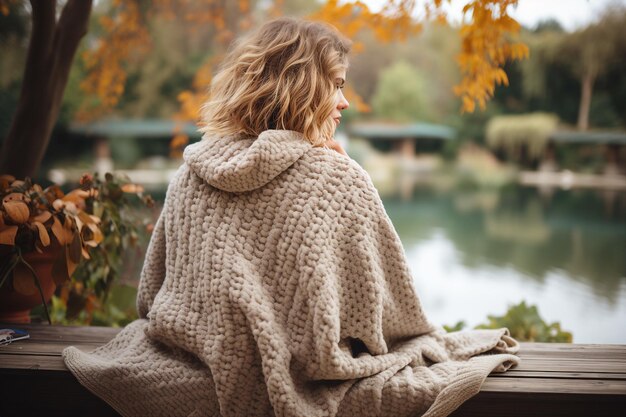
(50, 54)
(72, 27)
(44, 21)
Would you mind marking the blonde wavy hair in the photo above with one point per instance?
(281, 76)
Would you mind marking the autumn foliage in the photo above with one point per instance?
(487, 35)
(488, 38)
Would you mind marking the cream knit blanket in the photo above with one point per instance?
(275, 284)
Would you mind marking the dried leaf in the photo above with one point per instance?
(79, 223)
(58, 204)
(44, 238)
(76, 196)
(71, 265)
(97, 235)
(59, 268)
(42, 217)
(58, 232)
(85, 218)
(67, 230)
(74, 251)
(23, 280)
(17, 211)
(14, 197)
(53, 192)
(132, 188)
(7, 235)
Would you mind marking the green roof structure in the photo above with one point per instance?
(388, 131)
(136, 128)
(565, 136)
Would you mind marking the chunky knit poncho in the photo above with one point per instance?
(275, 284)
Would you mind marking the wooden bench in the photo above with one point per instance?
(553, 379)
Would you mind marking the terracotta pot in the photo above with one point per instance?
(15, 307)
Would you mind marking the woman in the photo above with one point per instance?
(274, 282)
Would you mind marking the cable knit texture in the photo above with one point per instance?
(275, 284)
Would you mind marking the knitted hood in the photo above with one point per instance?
(239, 163)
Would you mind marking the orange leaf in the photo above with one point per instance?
(67, 230)
(17, 210)
(71, 265)
(43, 217)
(7, 235)
(76, 196)
(57, 231)
(74, 251)
(132, 188)
(85, 218)
(14, 197)
(44, 238)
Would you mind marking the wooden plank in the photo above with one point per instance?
(70, 334)
(512, 373)
(551, 347)
(555, 386)
(27, 347)
(552, 380)
(39, 362)
(573, 366)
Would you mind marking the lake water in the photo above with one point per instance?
(474, 253)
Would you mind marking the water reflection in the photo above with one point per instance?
(524, 241)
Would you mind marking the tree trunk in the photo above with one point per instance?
(585, 101)
(51, 51)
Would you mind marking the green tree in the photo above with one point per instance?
(57, 28)
(591, 52)
(401, 94)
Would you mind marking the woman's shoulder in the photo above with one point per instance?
(337, 178)
(332, 165)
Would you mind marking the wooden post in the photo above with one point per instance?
(103, 162)
(407, 148)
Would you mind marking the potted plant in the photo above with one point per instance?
(47, 236)
(96, 294)
(44, 234)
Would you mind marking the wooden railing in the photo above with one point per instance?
(553, 380)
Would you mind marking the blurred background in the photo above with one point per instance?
(511, 214)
